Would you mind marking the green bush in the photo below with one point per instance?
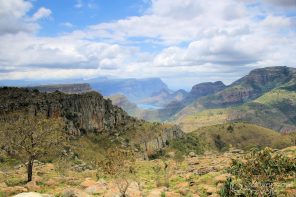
(189, 144)
(257, 173)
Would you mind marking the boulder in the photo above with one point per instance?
(87, 183)
(33, 194)
(73, 192)
(99, 188)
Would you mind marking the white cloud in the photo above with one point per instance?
(196, 39)
(67, 24)
(41, 13)
(13, 18)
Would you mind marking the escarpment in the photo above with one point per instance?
(84, 113)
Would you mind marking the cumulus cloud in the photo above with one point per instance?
(41, 13)
(196, 41)
(284, 3)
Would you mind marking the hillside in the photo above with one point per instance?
(265, 97)
(240, 135)
(87, 114)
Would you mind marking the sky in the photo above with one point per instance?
(183, 42)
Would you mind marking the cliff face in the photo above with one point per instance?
(66, 88)
(88, 112)
(204, 89)
(82, 113)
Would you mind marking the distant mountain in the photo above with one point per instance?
(265, 97)
(164, 97)
(65, 88)
(134, 89)
(204, 89)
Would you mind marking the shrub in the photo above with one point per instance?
(256, 174)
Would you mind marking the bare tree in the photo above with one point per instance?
(28, 138)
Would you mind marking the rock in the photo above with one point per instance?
(210, 190)
(33, 194)
(51, 182)
(134, 190)
(3, 185)
(193, 161)
(183, 191)
(156, 192)
(221, 178)
(192, 154)
(73, 192)
(32, 186)
(14, 190)
(172, 194)
(87, 183)
(99, 188)
(237, 151)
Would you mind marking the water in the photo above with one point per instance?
(147, 106)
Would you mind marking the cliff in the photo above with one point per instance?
(82, 113)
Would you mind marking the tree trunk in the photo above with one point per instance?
(30, 170)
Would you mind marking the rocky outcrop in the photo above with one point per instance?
(82, 113)
(65, 88)
(204, 89)
(161, 140)
(88, 112)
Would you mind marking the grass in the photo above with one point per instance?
(240, 135)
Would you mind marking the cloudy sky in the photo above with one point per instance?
(182, 41)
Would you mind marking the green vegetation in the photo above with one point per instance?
(191, 143)
(259, 174)
(30, 138)
(240, 135)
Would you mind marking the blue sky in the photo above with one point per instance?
(190, 41)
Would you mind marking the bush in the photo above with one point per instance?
(256, 174)
(189, 144)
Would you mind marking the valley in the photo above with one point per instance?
(165, 143)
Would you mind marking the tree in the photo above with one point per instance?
(28, 138)
(119, 165)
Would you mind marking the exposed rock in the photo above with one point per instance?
(192, 154)
(13, 190)
(72, 192)
(33, 194)
(82, 113)
(221, 178)
(87, 183)
(32, 186)
(99, 187)
(204, 89)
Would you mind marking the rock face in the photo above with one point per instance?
(82, 113)
(66, 88)
(204, 89)
(253, 85)
(88, 112)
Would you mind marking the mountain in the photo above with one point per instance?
(88, 113)
(134, 89)
(204, 89)
(164, 97)
(122, 102)
(176, 101)
(65, 88)
(265, 97)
